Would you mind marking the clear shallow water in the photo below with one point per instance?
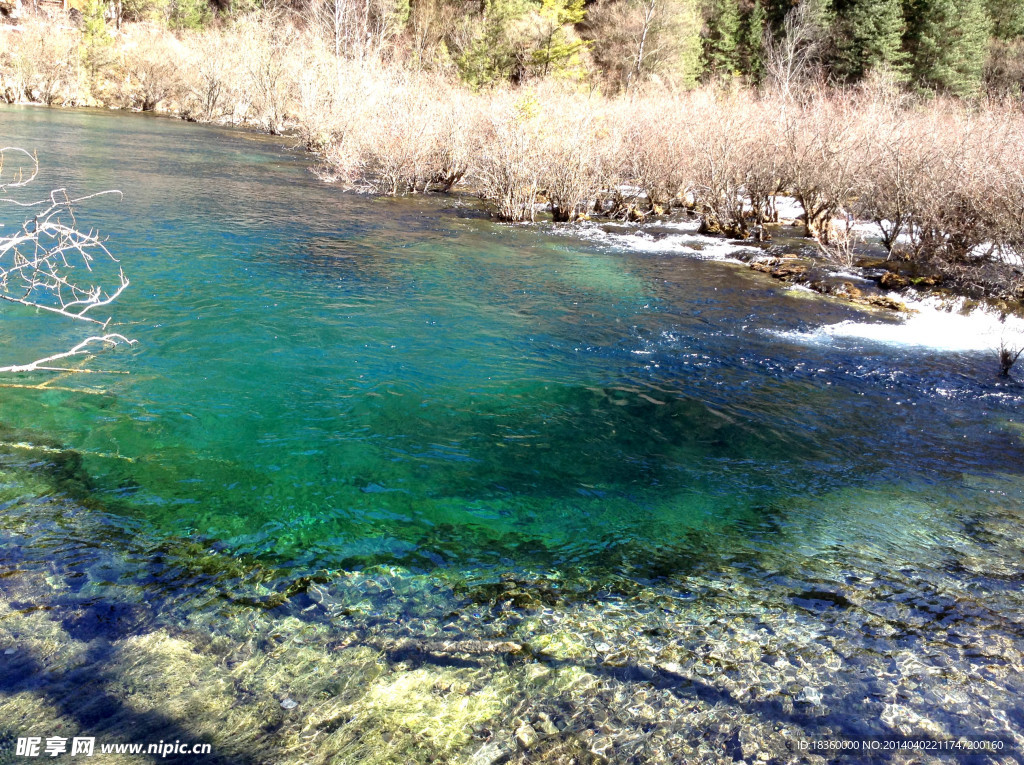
(653, 500)
(329, 380)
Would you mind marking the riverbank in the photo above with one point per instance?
(727, 155)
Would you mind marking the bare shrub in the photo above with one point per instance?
(1008, 355)
(573, 157)
(1004, 70)
(452, 149)
(824, 143)
(45, 61)
(397, 133)
(763, 161)
(397, 142)
(951, 217)
(153, 68)
(655, 149)
(509, 157)
(1006, 183)
(716, 137)
(269, 66)
(895, 156)
(840, 247)
(209, 70)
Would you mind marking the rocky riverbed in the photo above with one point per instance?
(106, 632)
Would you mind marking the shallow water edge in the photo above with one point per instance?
(109, 635)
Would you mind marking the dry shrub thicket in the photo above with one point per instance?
(941, 180)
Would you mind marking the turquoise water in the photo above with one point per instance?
(324, 379)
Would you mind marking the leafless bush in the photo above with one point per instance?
(398, 142)
(824, 155)
(1006, 181)
(1008, 355)
(894, 160)
(574, 157)
(655, 148)
(952, 203)
(509, 157)
(1004, 70)
(318, 98)
(269, 65)
(763, 161)
(716, 145)
(840, 247)
(45, 62)
(209, 70)
(154, 74)
(397, 134)
(452, 150)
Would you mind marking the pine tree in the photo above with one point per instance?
(497, 52)
(869, 36)
(721, 45)
(1007, 18)
(558, 48)
(948, 43)
(752, 42)
(97, 41)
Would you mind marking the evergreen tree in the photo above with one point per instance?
(869, 35)
(558, 48)
(721, 43)
(497, 52)
(752, 42)
(948, 43)
(1007, 18)
(97, 41)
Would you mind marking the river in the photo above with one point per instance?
(697, 504)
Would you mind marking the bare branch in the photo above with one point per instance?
(79, 350)
(42, 264)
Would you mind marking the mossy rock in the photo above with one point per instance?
(561, 646)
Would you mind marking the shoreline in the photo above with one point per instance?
(779, 262)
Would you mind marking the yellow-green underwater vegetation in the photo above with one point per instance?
(109, 635)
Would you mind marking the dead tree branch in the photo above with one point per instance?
(52, 265)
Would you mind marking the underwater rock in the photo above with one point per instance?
(546, 725)
(809, 695)
(526, 736)
(562, 646)
(491, 753)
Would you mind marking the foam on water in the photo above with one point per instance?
(932, 324)
(692, 245)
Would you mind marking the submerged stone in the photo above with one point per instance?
(562, 646)
(526, 736)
